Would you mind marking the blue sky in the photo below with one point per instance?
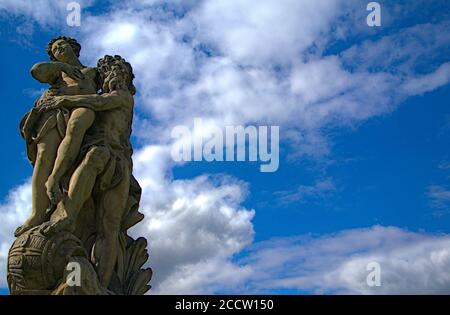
(364, 137)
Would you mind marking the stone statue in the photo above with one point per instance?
(83, 190)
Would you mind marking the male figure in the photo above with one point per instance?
(44, 132)
(106, 168)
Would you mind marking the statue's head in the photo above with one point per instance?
(116, 74)
(63, 49)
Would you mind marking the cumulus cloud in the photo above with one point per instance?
(193, 225)
(265, 62)
(47, 13)
(196, 227)
(411, 263)
(257, 62)
(14, 210)
(264, 33)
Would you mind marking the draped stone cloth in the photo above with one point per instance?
(36, 123)
(33, 126)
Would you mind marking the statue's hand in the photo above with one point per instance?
(73, 72)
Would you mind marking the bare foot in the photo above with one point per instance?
(28, 225)
(64, 224)
(54, 191)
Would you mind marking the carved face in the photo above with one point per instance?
(63, 51)
(116, 79)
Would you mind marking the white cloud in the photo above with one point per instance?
(264, 32)
(196, 226)
(262, 62)
(45, 12)
(247, 62)
(429, 82)
(14, 210)
(411, 263)
(255, 62)
(439, 197)
(41, 11)
(319, 190)
(405, 51)
(192, 225)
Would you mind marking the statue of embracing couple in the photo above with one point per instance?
(78, 141)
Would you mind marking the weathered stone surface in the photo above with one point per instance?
(84, 195)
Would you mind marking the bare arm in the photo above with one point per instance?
(49, 72)
(46, 72)
(103, 102)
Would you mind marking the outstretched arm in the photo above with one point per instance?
(49, 72)
(106, 101)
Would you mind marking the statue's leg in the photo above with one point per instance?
(80, 188)
(79, 122)
(113, 203)
(45, 158)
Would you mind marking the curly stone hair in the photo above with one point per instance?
(71, 41)
(105, 64)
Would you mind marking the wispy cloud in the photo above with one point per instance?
(429, 82)
(46, 13)
(320, 190)
(444, 165)
(33, 93)
(410, 263)
(439, 199)
(258, 62)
